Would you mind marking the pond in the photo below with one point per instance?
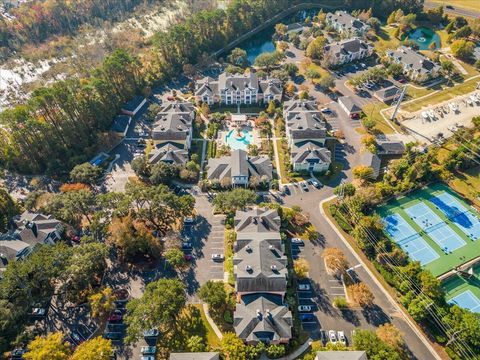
(423, 37)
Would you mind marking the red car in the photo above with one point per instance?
(76, 238)
(354, 116)
(188, 257)
(115, 316)
(402, 81)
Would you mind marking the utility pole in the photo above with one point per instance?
(399, 101)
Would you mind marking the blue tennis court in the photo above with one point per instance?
(467, 221)
(435, 227)
(409, 240)
(467, 300)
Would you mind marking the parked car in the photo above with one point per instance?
(148, 350)
(316, 184)
(77, 338)
(151, 333)
(187, 246)
(110, 335)
(39, 312)
(115, 316)
(402, 80)
(303, 287)
(297, 241)
(147, 357)
(304, 185)
(326, 110)
(354, 116)
(18, 353)
(286, 190)
(304, 308)
(188, 220)
(332, 336)
(341, 337)
(307, 317)
(217, 257)
(188, 257)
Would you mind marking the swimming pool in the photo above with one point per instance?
(239, 141)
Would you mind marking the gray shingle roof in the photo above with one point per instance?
(169, 153)
(346, 47)
(310, 152)
(349, 103)
(347, 21)
(173, 122)
(303, 120)
(239, 164)
(390, 147)
(341, 355)
(387, 93)
(262, 317)
(412, 59)
(257, 220)
(195, 356)
(34, 228)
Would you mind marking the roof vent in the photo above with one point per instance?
(248, 268)
(273, 267)
(271, 247)
(248, 248)
(259, 314)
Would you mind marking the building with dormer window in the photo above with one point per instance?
(346, 24)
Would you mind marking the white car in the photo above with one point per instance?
(304, 185)
(341, 337)
(332, 336)
(217, 257)
(297, 241)
(147, 357)
(304, 308)
(303, 287)
(38, 311)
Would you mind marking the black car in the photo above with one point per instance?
(112, 335)
(187, 246)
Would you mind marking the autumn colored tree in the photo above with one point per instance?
(96, 348)
(51, 347)
(74, 187)
(363, 172)
(102, 303)
(361, 294)
(335, 260)
(391, 336)
(233, 347)
(301, 267)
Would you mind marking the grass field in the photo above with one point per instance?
(386, 40)
(464, 4)
(445, 262)
(444, 95)
(212, 338)
(372, 110)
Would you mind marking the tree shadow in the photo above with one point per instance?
(322, 300)
(350, 316)
(375, 315)
(319, 241)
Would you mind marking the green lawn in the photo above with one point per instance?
(372, 110)
(386, 40)
(445, 262)
(444, 95)
(282, 155)
(212, 338)
(465, 4)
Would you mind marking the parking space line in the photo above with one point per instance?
(336, 287)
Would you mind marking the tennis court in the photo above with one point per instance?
(435, 227)
(409, 240)
(466, 300)
(465, 219)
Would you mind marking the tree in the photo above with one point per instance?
(159, 307)
(463, 49)
(361, 294)
(291, 69)
(463, 33)
(233, 347)
(290, 88)
(238, 57)
(50, 347)
(275, 351)
(368, 341)
(96, 348)
(269, 60)
(8, 209)
(395, 69)
(102, 303)
(189, 70)
(304, 95)
(345, 190)
(163, 173)
(236, 199)
(196, 343)
(362, 172)
(281, 29)
(326, 82)
(271, 108)
(214, 294)
(335, 260)
(368, 123)
(448, 68)
(141, 167)
(391, 18)
(86, 173)
(153, 111)
(316, 48)
(391, 336)
(370, 143)
(301, 267)
(175, 258)
(252, 150)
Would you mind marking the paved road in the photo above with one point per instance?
(457, 11)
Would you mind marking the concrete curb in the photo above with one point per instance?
(378, 283)
(211, 322)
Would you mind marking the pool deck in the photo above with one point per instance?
(446, 262)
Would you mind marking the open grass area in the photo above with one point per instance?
(282, 156)
(317, 68)
(372, 110)
(464, 4)
(446, 94)
(212, 338)
(445, 261)
(386, 40)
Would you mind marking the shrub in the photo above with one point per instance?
(340, 303)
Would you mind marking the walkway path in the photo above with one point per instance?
(211, 322)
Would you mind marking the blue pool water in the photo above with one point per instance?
(239, 143)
